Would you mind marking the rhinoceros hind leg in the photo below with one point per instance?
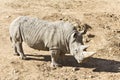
(20, 50)
(14, 47)
(16, 53)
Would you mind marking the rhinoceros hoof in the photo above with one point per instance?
(54, 65)
(16, 54)
(24, 58)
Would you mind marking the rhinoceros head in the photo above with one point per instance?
(77, 49)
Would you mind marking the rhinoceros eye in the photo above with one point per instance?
(76, 51)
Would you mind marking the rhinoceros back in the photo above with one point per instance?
(42, 35)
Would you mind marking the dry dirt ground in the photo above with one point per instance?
(101, 16)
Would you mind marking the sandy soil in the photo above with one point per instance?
(103, 16)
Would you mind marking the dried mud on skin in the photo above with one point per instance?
(101, 17)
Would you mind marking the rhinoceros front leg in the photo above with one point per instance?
(54, 58)
(62, 58)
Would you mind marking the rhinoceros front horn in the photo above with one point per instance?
(88, 54)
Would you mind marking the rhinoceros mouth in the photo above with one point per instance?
(85, 56)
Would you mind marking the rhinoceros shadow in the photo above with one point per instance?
(102, 65)
(38, 57)
(98, 64)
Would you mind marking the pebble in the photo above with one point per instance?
(7, 16)
(75, 68)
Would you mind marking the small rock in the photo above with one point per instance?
(118, 31)
(53, 68)
(92, 76)
(75, 68)
(16, 78)
(66, 79)
(15, 71)
(7, 16)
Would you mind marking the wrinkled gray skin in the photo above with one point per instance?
(58, 37)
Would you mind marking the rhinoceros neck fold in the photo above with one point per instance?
(68, 40)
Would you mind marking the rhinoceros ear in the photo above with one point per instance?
(83, 31)
(88, 54)
(75, 34)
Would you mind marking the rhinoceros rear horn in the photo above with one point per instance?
(84, 46)
(88, 54)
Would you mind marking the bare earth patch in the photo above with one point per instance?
(101, 16)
